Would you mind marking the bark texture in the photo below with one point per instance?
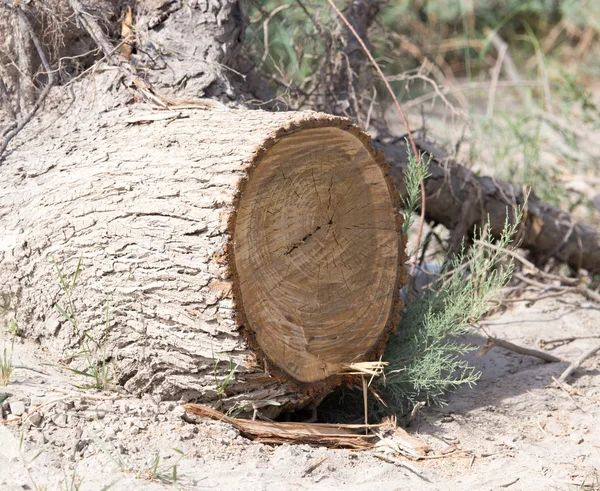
(149, 209)
(191, 46)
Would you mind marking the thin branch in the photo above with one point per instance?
(6, 100)
(529, 265)
(577, 363)
(36, 42)
(95, 31)
(492, 342)
(42, 97)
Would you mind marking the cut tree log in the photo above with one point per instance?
(268, 243)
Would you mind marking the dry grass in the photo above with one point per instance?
(6, 365)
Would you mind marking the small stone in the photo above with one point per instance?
(81, 445)
(36, 419)
(65, 406)
(110, 434)
(60, 420)
(577, 438)
(106, 407)
(80, 405)
(17, 408)
(142, 425)
(178, 411)
(38, 400)
(38, 437)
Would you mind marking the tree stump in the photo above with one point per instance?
(266, 242)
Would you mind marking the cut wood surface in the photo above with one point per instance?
(316, 246)
(266, 243)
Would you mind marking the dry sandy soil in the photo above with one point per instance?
(514, 430)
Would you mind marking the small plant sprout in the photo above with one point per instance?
(415, 174)
(68, 289)
(166, 473)
(99, 366)
(6, 366)
(72, 482)
(221, 386)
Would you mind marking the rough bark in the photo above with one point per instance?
(188, 48)
(150, 210)
(353, 76)
(460, 200)
(192, 46)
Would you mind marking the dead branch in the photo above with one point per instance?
(460, 200)
(530, 266)
(561, 341)
(508, 65)
(400, 463)
(492, 342)
(46, 90)
(90, 24)
(589, 294)
(581, 288)
(360, 15)
(5, 99)
(577, 363)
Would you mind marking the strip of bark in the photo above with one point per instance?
(331, 435)
(460, 200)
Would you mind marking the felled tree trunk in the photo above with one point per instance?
(268, 242)
(460, 200)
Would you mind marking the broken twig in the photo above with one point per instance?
(577, 363)
(399, 463)
(492, 342)
(311, 467)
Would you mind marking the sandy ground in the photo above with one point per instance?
(514, 430)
